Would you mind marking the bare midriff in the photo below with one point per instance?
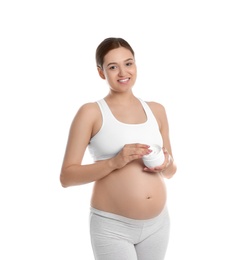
(130, 192)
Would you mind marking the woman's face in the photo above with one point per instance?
(119, 69)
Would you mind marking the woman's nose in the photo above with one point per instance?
(122, 71)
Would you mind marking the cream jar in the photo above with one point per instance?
(155, 158)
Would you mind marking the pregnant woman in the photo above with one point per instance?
(128, 217)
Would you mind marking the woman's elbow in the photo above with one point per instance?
(171, 171)
(63, 180)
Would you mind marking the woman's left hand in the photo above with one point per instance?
(164, 166)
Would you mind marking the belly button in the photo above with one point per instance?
(148, 197)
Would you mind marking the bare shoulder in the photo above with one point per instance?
(159, 113)
(87, 115)
(89, 107)
(88, 111)
(88, 119)
(156, 107)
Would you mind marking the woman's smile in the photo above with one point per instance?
(123, 80)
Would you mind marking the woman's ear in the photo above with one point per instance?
(100, 72)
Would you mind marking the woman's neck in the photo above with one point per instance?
(120, 98)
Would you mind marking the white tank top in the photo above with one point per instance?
(113, 134)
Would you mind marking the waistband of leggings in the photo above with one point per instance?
(129, 220)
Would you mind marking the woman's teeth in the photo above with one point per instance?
(123, 80)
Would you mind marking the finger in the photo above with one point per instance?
(165, 150)
(134, 157)
(141, 151)
(137, 145)
(152, 170)
(136, 150)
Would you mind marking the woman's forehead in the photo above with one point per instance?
(120, 54)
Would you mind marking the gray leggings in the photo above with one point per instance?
(115, 237)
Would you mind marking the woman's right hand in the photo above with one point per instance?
(129, 153)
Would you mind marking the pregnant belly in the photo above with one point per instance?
(130, 192)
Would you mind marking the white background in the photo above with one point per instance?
(191, 57)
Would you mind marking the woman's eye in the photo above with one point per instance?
(112, 67)
(128, 64)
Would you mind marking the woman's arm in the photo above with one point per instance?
(168, 168)
(81, 130)
(87, 123)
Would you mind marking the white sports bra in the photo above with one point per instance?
(113, 134)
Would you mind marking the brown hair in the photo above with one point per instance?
(109, 44)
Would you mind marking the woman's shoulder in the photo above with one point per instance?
(89, 106)
(88, 111)
(156, 106)
(159, 112)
